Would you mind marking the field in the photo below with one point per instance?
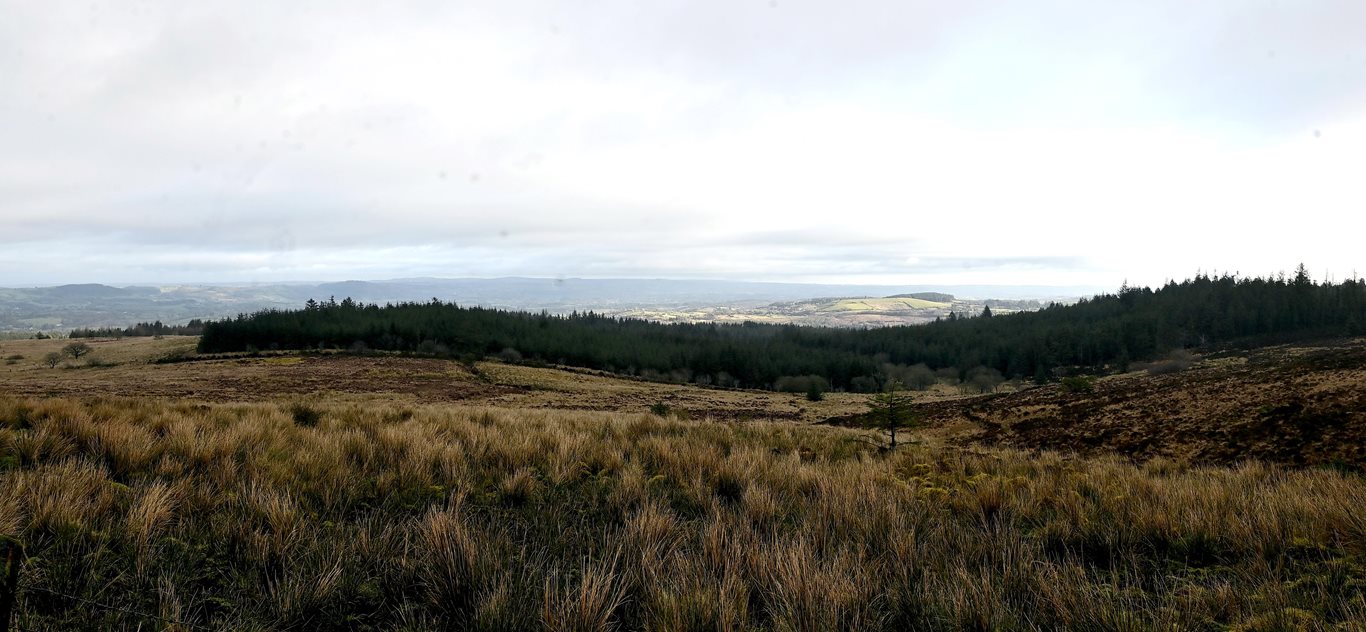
(882, 305)
(829, 312)
(302, 492)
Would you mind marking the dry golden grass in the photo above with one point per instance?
(110, 350)
(396, 516)
(132, 371)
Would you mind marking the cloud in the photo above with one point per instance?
(787, 140)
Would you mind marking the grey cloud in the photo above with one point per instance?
(176, 128)
(997, 263)
(1266, 66)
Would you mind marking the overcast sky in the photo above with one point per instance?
(864, 141)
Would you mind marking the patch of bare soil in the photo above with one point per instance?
(1291, 405)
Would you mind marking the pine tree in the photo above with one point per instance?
(891, 410)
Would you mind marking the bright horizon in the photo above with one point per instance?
(1066, 290)
(886, 143)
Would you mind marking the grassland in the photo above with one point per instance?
(826, 312)
(387, 493)
(882, 305)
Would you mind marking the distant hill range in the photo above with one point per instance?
(933, 297)
(65, 307)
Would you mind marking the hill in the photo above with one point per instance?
(335, 491)
(1299, 405)
(889, 304)
(844, 312)
(1095, 335)
(933, 297)
(100, 306)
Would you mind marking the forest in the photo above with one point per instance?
(158, 328)
(1101, 334)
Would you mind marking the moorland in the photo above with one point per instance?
(156, 483)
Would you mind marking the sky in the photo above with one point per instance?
(866, 141)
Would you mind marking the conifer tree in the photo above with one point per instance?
(891, 409)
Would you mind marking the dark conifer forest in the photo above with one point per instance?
(158, 328)
(1099, 334)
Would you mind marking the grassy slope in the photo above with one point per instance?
(384, 379)
(1298, 405)
(517, 498)
(384, 517)
(881, 304)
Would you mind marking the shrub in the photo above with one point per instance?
(864, 384)
(433, 348)
(1078, 384)
(814, 394)
(660, 408)
(983, 379)
(916, 377)
(800, 383)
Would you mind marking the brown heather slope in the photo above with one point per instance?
(333, 492)
(128, 368)
(1294, 405)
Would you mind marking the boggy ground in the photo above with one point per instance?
(1295, 405)
(130, 367)
(390, 493)
(147, 514)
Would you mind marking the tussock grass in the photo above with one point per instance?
(237, 516)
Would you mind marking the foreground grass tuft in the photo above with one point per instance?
(371, 517)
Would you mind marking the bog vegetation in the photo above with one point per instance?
(301, 515)
(1104, 333)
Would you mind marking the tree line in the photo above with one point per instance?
(1102, 333)
(192, 328)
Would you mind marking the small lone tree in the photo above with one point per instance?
(814, 392)
(53, 359)
(76, 350)
(891, 410)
